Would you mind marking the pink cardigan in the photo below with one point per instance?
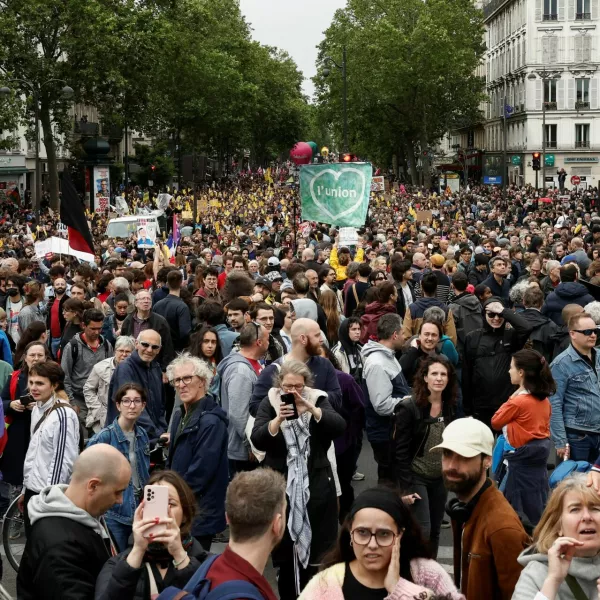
(428, 575)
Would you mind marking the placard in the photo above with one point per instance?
(378, 184)
(146, 233)
(348, 236)
(424, 216)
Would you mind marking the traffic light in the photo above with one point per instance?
(535, 162)
(348, 157)
(153, 168)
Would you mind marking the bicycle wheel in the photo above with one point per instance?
(13, 534)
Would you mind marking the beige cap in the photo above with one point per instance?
(467, 437)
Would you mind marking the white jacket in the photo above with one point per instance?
(95, 392)
(53, 448)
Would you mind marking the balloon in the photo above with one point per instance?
(314, 147)
(301, 153)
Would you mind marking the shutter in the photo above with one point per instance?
(553, 50)
(560, 94)
(593, 93)
(594, 9)
(561, 10)
(578, 41)
(538, 9)
(568, 54)
(571, 15)
(586, 48)
(570, 94)
(538, 94)
(561, 50)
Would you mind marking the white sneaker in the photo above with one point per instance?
(358, 477)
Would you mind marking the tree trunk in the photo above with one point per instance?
(410, 155)
(48, 138)
(425, 161)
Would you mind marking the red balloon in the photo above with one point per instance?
(301, 153)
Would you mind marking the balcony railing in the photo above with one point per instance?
(550, 105)
(582, 144)
(551, 144)
(550, 17)
(583, 16)
(87, 128)
(582, 105)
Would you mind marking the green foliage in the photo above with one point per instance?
(411, 73)
(157, 156)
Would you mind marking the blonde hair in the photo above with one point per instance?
(547, 530)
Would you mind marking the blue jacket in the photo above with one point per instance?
(227, 338)
(5, 353)
(571, 292)
(113, 436)
(199, 455)
(134, 370)
(576, 403)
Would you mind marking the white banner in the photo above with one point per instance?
(57, 245)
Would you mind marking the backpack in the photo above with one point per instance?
(198, 587)
(75, 349)
(566, 468)
(465, 321)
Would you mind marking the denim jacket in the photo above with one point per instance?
(576, 403)
(114, 436)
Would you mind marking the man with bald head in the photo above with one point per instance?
(69, 542)
(419, 263)
(306, 347)
(143, 368)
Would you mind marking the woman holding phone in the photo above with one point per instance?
(154, 563)
(295, 425)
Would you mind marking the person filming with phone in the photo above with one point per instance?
(295, 425)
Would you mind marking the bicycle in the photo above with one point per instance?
(13, 534)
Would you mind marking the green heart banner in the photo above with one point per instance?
(336, 193)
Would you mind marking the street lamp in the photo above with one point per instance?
(544, 75)
(67, 92)
(326, 71)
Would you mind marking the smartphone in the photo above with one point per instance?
(26, 400)
(156, 504)
(291, 400)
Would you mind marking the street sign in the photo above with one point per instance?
(549, 161)
(515, 159)
(575, 180)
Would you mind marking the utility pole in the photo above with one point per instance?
(504, 166)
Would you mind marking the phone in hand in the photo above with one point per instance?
(156, 504)
(291, 400)
(26, 400)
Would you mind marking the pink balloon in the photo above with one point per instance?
(301, 153)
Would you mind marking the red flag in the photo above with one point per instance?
(72, 215)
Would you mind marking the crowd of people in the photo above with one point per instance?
(245, 366)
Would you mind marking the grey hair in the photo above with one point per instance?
(125, 340)
(552, 264)
(593, 309)
(388, 325)
(434, 314)
(145, 330)
(201, 368)
(120, 284)
(293, 367)
(352, 270)
(518, 291)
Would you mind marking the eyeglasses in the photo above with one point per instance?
(130, 401)
(384, 537)
(186, 380)
(587, 332)
(379, 278)
(493, 315)
(290, 388)
(147, 345)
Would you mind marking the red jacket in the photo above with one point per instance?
(373, 312)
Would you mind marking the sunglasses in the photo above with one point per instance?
(493, 315)
(587, 332)
(149, 345)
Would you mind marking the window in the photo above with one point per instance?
(583, 48)
(550, 91)
(550, 136)
(582, 136)
(550, 10)
(583, 10)
(583, 93)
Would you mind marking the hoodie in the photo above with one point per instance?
(571, 292)
(384, 386)
(585, 570)
(65, 551)
(373, 312)
(544, 330)
(468, 316)
(237, 383)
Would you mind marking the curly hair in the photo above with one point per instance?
(421, 390)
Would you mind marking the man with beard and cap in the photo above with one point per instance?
(306, 347)
(487, 354)
(487, 533)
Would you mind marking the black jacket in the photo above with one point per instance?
(476, 276)
(488, 352)
(177, 315)
(410, 429)
(159, 324)
(61, 561)
(541, 337)
(118, 580)
(401, 303)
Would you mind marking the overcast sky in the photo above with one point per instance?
(293, 25)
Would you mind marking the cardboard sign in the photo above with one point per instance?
(424, 216)
(187, 214)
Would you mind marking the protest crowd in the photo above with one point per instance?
(242, 363)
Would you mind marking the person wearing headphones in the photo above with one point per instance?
(487, 533)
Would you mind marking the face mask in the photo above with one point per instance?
(12, 291)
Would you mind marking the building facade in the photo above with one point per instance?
(541, 69)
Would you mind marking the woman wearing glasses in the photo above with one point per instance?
(126, 435)
(295, 425)
(380, 554)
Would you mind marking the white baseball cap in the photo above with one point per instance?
(467, 437)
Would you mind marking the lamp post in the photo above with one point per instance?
(544, 75)
(67, 92)
(326, 71)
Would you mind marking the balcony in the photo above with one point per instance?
(114, 133)
(87, 129)
(582, 105)
(550, 105)
(583, 16)
(582, 144)
(550, 17)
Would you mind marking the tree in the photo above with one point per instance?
(411, 74)
(153, 156)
